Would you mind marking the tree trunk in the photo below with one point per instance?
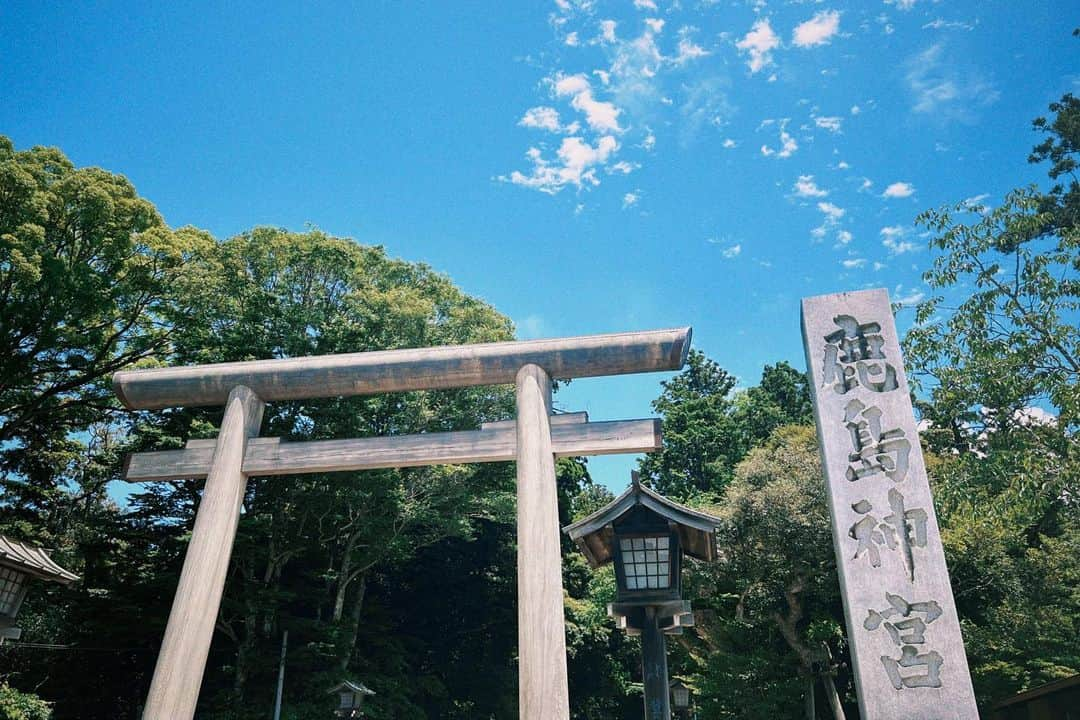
(833, 697)
(811, 711)
(354, 623)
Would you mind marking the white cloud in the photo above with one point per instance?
(899, 190)
(533, 326)
(630, 199)
(729, 143)
(600, 115)
(787, 144)
(645, 4)
(806, 187)
(945, 88)
(571, 84)
(940, 24)
(649, 142)
(843, 237)
(892, 237)
(828, 122)
(818, 30)
(576, 165)
(912, 297)
(879, 266)
(842, 165)
(855, 110)
(901, 4)
(546, 118)
(832, 212)
(623, 167)
(572, 39)
(607, 30)
(688, 50)
(732, 252)
(656, 25)
(759, 43)
(866, 185)
(1032, 415)
(977, 203)
(853, 263)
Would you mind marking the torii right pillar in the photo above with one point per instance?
(903, 629)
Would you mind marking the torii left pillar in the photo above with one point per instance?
(542, 686)
(182, 659)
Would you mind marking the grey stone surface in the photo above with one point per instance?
(901, 619)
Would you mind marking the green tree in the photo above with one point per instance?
(770, 609)
(1061, 149)
(997, 354)
(88, 273)
(15, 705)
(709, 426)
(701, 443)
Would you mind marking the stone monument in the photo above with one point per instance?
(903, 629)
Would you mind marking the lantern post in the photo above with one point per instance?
(645, 536)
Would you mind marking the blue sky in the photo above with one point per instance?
(583, 166)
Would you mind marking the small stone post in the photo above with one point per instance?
(902, 625)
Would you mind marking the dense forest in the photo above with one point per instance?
(405, 580)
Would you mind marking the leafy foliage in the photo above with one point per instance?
(15, 705)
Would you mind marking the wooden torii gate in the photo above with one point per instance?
(534, 440)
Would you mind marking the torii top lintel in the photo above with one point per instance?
(431, 368)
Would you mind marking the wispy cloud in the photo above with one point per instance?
(630, 199)
(607, 30)
(901, 4)
(731, 252)
(828, 122)
(759, 44)
(806, 187)
(943, 88)
(852, 263)
(940, 24)
(833, 213)
(546, 118)
(575, 164)
(908, 298)
(818, 30)
(892, 237)
(599, 114)
(787, 146)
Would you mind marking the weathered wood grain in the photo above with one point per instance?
(560, 419)
(271, 456)
(449, 366)
(178, 674)
(542, 682)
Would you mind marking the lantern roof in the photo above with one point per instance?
(358, 688)
(32, 561)
(594, 534)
